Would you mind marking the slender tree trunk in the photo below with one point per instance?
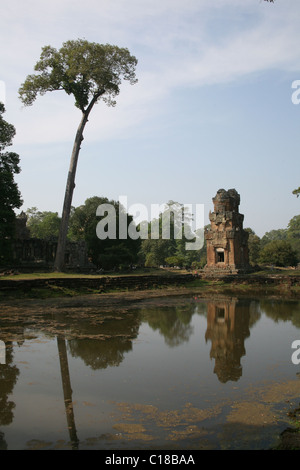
(62, 237)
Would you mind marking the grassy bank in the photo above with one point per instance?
(66, 275)
(53, 284)
(277, 282)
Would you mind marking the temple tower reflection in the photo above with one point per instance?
(227, 328)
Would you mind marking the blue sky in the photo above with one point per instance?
(212, 108)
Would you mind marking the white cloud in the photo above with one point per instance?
(178, 44)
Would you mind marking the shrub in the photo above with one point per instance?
(278, 253)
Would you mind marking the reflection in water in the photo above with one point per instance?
(102, 340)
(228, 325)
(66, 383)
(172, 323)
(227, 329)
(280, 310)
(8, 378)
(99, 340)
(104, 345)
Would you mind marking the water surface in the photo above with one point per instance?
(166, 373)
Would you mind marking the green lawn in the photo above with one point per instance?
(52, 275)
(140, 272)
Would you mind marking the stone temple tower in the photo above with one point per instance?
(226, 240)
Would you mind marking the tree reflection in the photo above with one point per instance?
(173, 323)
(282, 310)
(8, 379)
(67, 389)
(104, 345)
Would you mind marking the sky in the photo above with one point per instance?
(212, 108)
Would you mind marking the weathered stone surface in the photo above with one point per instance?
(35, 253)
(30, 253)
(100, 284)
(226, 240)
(22, 231)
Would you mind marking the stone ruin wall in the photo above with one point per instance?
(35, 253)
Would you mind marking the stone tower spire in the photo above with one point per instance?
(226, 240)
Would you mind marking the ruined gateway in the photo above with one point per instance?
(226, 240)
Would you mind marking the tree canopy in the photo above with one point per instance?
(254, 245)
(278, 253)
(86, 70)
(297, 191)
(105, 253)
(10, 197)
(278, 247)
(43, 225)
(169, 246)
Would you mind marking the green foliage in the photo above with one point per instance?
(44, 225)
(293, 234)
(278, 253)
(177, 260)
(84, 69)
(108, 253)
(293, 230)
(254, 245)
(279, 234)
(297, 191)
(10, 197)
(151, 261)
(170, 246)
(154, 252)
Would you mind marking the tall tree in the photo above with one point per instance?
(89, 72)
(10, 197)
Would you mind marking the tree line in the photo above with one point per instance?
(118, 253)
(278, 247)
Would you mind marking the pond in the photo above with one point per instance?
(177, 372)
